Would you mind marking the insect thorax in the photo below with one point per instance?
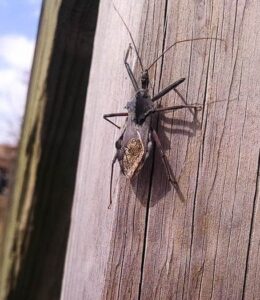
(138, 107)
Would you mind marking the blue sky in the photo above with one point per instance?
(19, 17)
(18, 29)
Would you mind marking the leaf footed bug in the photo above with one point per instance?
(137, 135)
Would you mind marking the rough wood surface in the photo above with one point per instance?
(38, 224)
(152, 245)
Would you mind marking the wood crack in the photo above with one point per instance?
(252, 225)
(153, 164)
(197, 178)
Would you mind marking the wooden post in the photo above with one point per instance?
(37, 228)
(152, 245)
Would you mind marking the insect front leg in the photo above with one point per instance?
(129, 71)
(106, 116)
(165, 161)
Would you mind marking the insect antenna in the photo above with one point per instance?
(178, 42)
(130, 34)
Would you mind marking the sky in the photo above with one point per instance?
(18, 29)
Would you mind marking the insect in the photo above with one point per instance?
(137, 135)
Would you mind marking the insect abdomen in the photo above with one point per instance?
(133, 154)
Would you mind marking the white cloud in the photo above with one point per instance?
(17, 51)
(16, 54)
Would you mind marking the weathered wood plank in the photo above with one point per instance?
(206, 246)
(199, 249)
(37, 229)
(109, 243)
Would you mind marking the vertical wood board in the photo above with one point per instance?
(201, 242)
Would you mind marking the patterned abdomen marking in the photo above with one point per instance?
(133, 157)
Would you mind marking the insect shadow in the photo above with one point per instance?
(138, 134)
(160, 185)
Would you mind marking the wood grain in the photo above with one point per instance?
(152, 245)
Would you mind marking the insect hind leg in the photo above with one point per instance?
(164, 159)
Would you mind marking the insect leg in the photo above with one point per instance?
(111, 180)
(129, 71)
(170, 108)
(106, 116)
(149, 146)
(165, 161)
(176, 107)
(169, 88)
